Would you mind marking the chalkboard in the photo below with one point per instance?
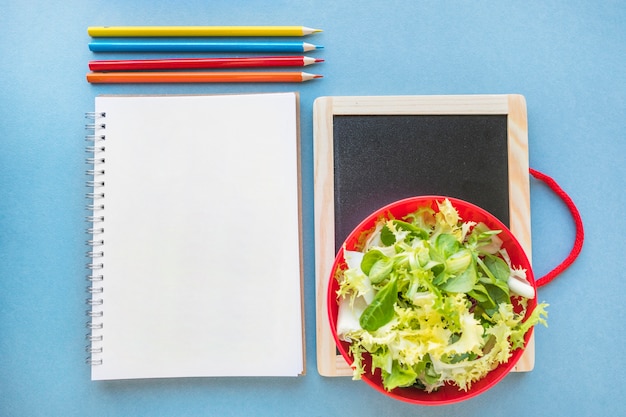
(383, 158)
(370, 151)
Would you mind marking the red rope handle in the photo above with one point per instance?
(580, 233)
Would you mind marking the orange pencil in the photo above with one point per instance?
(199, 77)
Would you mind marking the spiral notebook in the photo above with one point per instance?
(195, 261)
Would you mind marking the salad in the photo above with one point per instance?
(432, 299)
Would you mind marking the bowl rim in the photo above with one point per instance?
(423, 200)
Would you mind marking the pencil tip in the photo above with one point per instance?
(318, 76)
(310, 31)
(319, 60)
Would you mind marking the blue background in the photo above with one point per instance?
(567, 58)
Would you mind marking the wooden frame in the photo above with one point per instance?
(329, 363)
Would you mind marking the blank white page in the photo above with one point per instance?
(202, 273)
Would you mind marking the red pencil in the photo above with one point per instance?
(197, 63)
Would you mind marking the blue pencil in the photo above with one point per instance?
(199, 46)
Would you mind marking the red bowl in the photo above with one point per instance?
(447, 394)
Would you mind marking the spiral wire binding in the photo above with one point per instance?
(95, 230)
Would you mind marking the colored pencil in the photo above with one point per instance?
(198, 77)
(201, 63)
(199, 46)
(198, 31)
